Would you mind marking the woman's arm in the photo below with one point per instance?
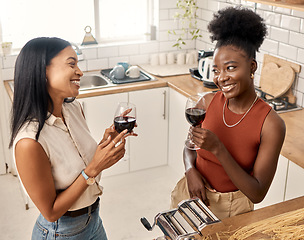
(254, 186)
(35, 171)
(196, 182)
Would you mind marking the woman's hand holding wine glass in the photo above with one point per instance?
(195, 114)
(125, 117)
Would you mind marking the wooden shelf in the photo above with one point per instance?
(298, 7)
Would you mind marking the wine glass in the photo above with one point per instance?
(125, 117)
(195, 115)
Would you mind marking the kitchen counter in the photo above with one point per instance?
(293, 145)
(229, 225)
(186, 85)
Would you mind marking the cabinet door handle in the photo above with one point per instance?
(165, 104)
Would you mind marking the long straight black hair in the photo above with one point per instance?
(31, 98)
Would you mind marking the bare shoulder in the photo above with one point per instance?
(274, 125)
(208, 98)
(27, 144)
(29, 151)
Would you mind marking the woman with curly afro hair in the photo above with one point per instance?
(241, 137)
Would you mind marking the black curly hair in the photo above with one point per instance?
(239, 27)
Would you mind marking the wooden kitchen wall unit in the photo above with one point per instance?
(298, 7)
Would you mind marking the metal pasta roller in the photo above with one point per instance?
(184, 222)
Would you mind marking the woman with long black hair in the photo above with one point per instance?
(57, 159)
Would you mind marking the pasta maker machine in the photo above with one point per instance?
(184, 222)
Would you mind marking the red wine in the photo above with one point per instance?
(195, 116)
(121, 123)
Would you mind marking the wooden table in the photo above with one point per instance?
(236, 222)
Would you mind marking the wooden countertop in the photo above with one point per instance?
(228, 225)
(186, 85)
(293, 145)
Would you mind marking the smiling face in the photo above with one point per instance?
(63, 75)
(232, 70)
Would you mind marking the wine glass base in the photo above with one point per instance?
(191, 145)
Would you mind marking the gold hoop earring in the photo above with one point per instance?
(252, 76)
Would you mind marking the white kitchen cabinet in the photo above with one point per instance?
(150, 147)
(294, 183)
(99, 112)
(276, 192)
(178, 130)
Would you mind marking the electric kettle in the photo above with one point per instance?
(205, 59)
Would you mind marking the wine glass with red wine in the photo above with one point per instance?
(125, 117)
(195, 115)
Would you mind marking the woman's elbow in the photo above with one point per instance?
(257, 198)
(51, 217)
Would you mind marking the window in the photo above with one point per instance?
(23, 20)
(115, 20)
(124, 20)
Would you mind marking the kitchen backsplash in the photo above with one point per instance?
(285, 40)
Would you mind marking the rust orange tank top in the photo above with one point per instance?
(242, 141)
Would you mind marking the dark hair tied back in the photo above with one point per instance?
(239, 27)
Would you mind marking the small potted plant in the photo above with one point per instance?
(188, 22)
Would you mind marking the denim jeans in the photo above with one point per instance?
(86, 226)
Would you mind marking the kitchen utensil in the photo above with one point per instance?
(143, 77)
(154, 59)
(162, 59)
(189, 58)
(126, 65)
(276, 80)
(205, 68)
(118, 72)
(185, 222)
(181, 57)
(268, 79)
(133, 72)
(170, 58)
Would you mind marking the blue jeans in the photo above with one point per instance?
(86, 226)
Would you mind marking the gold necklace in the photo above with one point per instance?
(230, 126)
